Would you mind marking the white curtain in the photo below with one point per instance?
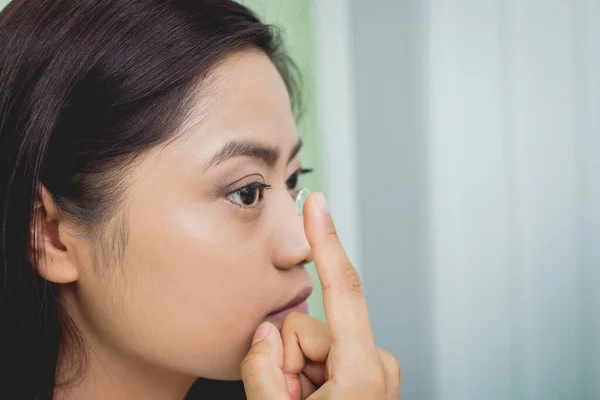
(512, 104)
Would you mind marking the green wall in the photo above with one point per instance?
(294, 19)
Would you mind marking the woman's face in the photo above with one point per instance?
(209, 254)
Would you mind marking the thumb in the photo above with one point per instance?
(261, 369)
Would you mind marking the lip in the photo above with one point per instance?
(297, 303)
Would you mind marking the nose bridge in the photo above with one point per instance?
(291, 247)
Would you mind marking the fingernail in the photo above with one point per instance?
(261, 333)
(321, 203)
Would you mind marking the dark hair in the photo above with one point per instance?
(85, 87)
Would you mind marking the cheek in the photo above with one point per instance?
(194, 291)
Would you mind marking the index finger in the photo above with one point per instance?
(343, 298)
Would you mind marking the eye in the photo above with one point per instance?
(292, 182)
(250, 195)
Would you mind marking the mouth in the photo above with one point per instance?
(296, 304)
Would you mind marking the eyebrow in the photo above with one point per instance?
(248, 148)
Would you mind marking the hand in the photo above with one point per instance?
(343, 361)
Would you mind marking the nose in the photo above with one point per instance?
(290, 246)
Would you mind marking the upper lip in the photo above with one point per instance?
(300, 297)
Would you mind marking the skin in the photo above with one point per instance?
(308, 359)
(199, 272)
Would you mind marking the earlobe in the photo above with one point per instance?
(55, 261)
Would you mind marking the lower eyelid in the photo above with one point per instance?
(246, 210)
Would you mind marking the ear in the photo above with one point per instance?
(56, 263)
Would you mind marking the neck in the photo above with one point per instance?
(91, 368)
(106, 376)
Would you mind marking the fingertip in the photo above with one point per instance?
(267, 344)
(261, 367)
(268, 339)
(321, 203)
(316, 217)
(316, 204)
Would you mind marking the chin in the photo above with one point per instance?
(227, 367)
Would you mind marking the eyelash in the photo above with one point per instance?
(296, 175)
(261, 187)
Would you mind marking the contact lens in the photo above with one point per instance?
(300, 199)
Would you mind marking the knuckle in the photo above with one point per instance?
(350, 281)
(332, 236)
(391, 364)
(393, 373)
(292, 320)
(291, 325)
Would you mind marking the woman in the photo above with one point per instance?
(148, 166)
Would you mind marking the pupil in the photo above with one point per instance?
(248, 195)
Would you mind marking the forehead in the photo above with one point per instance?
(244, 97)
